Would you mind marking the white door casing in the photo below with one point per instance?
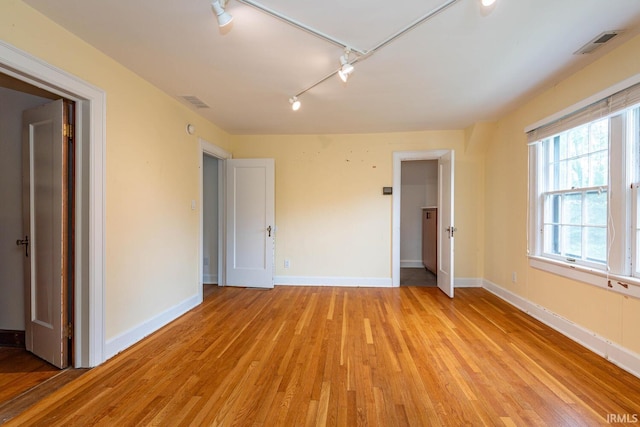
(446, 228)
(90, 139)
(45, 214)
(446, 180)
(250, 230)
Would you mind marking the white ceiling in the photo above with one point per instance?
(460, 67)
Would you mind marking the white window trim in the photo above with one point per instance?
(591, 276)
(621, 283)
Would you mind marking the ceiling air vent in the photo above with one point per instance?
(597, 42)
(195, 101)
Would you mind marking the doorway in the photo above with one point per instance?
(418, 216)
(16, 97)
(212, 192)
(89, 212)
(211, 168)
(24, 370)
(445, 217)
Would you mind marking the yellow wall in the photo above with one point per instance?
(609, 314)
(151, 174)
(331, 215)
(332, 218)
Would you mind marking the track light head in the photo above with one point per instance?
(223, 17)
(487, 6)
(295, 103)
(345, 68)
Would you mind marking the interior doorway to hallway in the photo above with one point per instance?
(211, 236)
(418, 215)
(212, 196)
(443, 228)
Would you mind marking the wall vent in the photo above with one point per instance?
(597, 42)
(195, 101)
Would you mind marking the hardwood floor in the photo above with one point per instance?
(347, 356)
(25, 379)
(20, 371)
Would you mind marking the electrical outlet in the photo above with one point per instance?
(206, 262)
(287, 263)
(514, 277)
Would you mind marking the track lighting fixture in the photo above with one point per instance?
(346, 65)
(295, 103)
(223, 17)
(345, 68)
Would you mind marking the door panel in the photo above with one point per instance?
(250, 222)
(44, 159)
(445, 223)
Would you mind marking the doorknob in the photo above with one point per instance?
(269, 230)
(24, 242)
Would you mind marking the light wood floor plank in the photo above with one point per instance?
(346, 356)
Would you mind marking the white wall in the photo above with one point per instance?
(419, 189)
(210, 219)
(12, 103)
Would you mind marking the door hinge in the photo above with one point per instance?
(67, 130)
(68, 330)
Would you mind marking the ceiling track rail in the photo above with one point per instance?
(360, 53)
(300, 25)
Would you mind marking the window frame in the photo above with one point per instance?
(621, 273)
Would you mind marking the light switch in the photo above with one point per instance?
(193, 205)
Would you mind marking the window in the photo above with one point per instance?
(584, 183)
(575, 168)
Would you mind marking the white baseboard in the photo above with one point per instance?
(135, 334)
(467, 282)
(361, 282)
(616, 354)
(367, 282)
(411, 264)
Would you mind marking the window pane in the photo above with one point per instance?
(599, 135)
(596, 244)
(552, 239)
(572, 209)
(578, 141)
(598, 169)
(572, 241)
(561, 146)
(577, 173)
(561, 175)
(595, 208)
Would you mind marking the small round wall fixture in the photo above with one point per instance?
(191, 129)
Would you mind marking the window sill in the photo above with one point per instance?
(622, 284)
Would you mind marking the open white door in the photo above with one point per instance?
(250, 222)
(45, 219)
(446, 229)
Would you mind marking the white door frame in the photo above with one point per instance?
(214, 151)
(89, 320)
(398, 158)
